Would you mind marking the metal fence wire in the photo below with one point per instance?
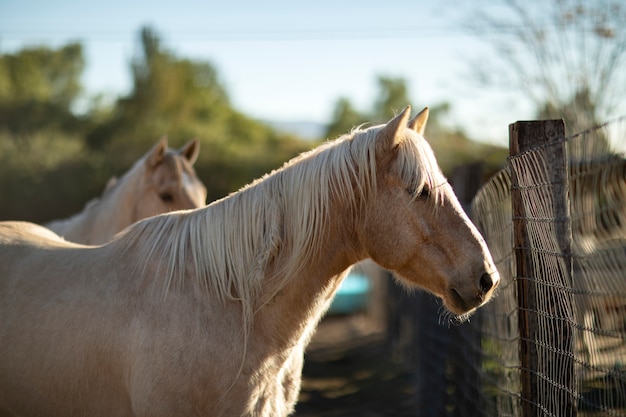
(569, 356)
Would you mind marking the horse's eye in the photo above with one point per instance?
(166, 197)
(422, 195)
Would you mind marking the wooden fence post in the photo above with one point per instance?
(535, 371)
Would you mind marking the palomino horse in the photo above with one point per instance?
(163, 180)
(207, 312)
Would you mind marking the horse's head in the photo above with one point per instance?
(169, 181)
(416, 227)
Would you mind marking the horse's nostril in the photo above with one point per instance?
(486, 283)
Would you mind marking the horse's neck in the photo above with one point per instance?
(293, 317)
(101, 219)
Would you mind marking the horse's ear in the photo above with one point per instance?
(418, 123)
(110, 184)
(190, 151)
(389, 134)
(155, 156)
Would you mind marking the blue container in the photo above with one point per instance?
(352, 296)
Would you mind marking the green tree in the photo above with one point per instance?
(392, 97)
(39, 86)
(170, 95)
(345, 117)
(44, 167)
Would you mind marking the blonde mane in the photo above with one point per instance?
(231, 242)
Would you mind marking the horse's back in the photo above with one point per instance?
(28, 253)
(21, 244)
(15, 232)
(52, 335)
(80, 335)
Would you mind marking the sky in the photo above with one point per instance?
(284, 61)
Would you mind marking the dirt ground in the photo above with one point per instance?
(348, 373)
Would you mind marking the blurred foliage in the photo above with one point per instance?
(54, 160)
(47, 174)
(37, 88)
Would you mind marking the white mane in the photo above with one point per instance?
(231, 242)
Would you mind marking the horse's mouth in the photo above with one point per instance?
(460, 305)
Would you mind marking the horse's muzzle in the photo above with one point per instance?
(462, 302)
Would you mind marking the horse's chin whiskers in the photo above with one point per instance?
(462, 318)
(450, 318)
(445, 315)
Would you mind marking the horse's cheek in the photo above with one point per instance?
(390, 250)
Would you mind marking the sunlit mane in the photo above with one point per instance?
(232, 242)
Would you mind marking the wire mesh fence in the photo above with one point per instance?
(499, 325)
(598, 184)
(554, 339)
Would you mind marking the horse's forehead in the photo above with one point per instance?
(175, 169)
(172, 168)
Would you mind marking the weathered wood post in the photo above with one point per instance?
(546, 388)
